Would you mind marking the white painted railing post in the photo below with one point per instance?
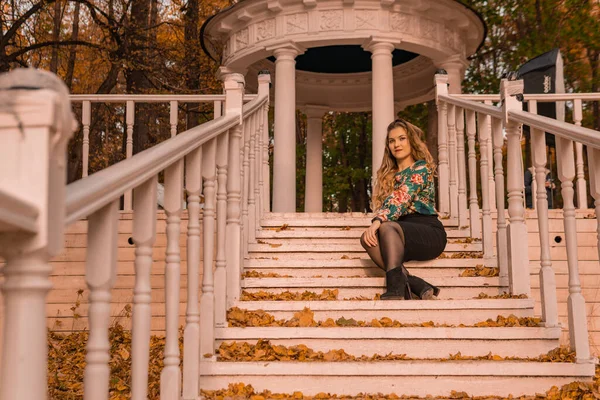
(248, 122)
(257, 165)
(594, 171)
(234, 91)
(441, 88)
(483, 122)
(100, 276)
(511, 92)
(581, 186)
(578, 330)
(547, 278)
(264, 83)
(32, 172)
(473, 203)
(453, 161)
(490, 147)
(86, 120)
(251, 178)
(501, 235)
(191, 333)
(173, 116)
(221, 261)
(207, 300)
(129, 120)
(463, 221)
(144, 235)
(170, 377)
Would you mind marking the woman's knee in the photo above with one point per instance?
(362, 241)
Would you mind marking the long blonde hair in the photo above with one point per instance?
(384, 184)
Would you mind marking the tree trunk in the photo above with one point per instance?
(73, 51)
(56, 36)
(192, 60)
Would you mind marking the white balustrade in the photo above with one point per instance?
(581, 184)
(483, 122)
(441, 89)
(220, 270)
(594, 169)
(475, 226)
(144, 235)
(251, 179)
(173, 116)
(86, 120)
(130, 120)
(453, 161)
(191, 333)
(463, 221)
(246, 185)
(501, 232)
(490, 157)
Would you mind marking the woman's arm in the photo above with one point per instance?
(399, 201)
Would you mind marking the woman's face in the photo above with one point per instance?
(399, 144)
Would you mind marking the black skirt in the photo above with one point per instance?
(424, 236)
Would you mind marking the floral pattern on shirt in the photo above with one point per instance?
(414, 192)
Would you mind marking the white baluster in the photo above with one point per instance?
(453, 161)
(170, 377)
(258, 189)
(492, 184)
(501, 234)
(246, 185)
(234, 84)
(441, 88)
(266, 169)
(594, 171)
(251, 179)
(486, 217)
(100, 277)
(144, 235)
(173, 117)
(86, 120)
(547, 279)
(578, 331)
(532, 107)
(129, 119)
(207, 301)
(221, 271)
(581, 185)
(473, 203)
(463, 221)
(518, 258)
(191, 333)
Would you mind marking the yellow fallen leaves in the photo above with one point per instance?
(284, 227)
(481, 270)
(243, 318)
(259, 274)
(326, 294)
(465, 240)
(462, 255)
(501, 296)
(66, 363)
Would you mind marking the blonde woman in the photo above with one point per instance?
(406, 226)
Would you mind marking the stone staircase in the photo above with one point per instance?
(315, 252)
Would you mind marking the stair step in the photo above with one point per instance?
(339, 248)
(421, 343)
(377, 282)
(326, 220)
(450, 312)
(358, 262)
(415, 378)
(354, 233)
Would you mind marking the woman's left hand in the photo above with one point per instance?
(370, 234)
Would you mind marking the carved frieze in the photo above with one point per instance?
(367, 19)
(429, 29)
(332, 20)
(296, 23)
(265, 29)
(402, 23)
(450, 38)
(241, 39)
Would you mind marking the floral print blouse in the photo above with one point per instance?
(414, 192)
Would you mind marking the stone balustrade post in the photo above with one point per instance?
(441, 88)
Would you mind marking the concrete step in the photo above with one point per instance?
(421, 343)
(273, 246)
(327, 220)
(341, 256)
(450, 312)
(346, 232)
(415, 378)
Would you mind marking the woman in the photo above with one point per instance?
(405, 226)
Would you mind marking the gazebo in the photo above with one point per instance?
(340, 55)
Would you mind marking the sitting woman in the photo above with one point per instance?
(406, 225)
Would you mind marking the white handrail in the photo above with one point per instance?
(541, 97)
(88, 195)
(251, 107)
(472, 105)
(153, 98)
(17, 214)
(587, 136)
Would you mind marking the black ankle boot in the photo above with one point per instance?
(397, 288)
(423, 289)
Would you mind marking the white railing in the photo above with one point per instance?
(489, 124)
(210, 156)
(129, 103)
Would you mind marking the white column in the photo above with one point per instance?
(313, 200)
(284, 159)
(441, 88)
(383, 97)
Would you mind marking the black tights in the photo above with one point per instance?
(389, 254)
